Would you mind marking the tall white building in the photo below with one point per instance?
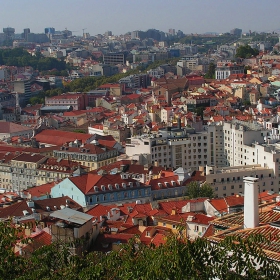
(172, 147)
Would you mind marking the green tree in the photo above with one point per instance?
(178, 258)
(211, 71)
(246, 52)
(194, 190)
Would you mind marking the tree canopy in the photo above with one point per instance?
(194, 190)
(210, 74)
(20, 57)
(178, 258)
(246, 52)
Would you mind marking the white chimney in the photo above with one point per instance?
(251, 206)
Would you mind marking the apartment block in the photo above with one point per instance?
(226, 68)
(172, 147)
(226, 181)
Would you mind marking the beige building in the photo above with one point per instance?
(227, 181)
(92, 156)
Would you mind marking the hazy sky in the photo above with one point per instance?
(121, 16)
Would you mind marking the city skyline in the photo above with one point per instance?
(120, 17)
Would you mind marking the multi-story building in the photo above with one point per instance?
(226, 68)
(114, 58)
(77, 100)
(5, 169)
(18, 171)
(172, 147)
(92, 156)
(9, 129)
(23, 169)
(106, 189)
(23, 87)
(226, 181)
(217, 148)
(239, 136)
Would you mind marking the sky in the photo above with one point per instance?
(122, 16)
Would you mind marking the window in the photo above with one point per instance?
(164, 224)
(224, 187)
(232, 187)
(173, 226)
(196, 228)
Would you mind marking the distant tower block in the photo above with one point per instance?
(9, 32)
(251, 206)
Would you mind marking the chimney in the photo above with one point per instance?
(251, 206)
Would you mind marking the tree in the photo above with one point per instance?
(178, 258)
(246, 52)
(211, 71)
(194, 190)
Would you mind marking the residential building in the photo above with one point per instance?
(23, 169)
(9, 129)
(53, 137)
(238, 137)
(93, 188)
(78, 101)
(38, 209)
(226, 68)
(172, 147)
(23, 87)
(228, 181)
(114, 58)
(71, 226)
(92, 156)
(166, 187)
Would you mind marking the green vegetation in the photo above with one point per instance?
(194, 190)
(210, 74)
(178, 259)
(246, 52)
(90, 83)
(40, 98)
(20, 57)
(207, 42)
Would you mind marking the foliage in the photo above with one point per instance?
(246, 52)
(265, 37)
(79, 131)
(20, 57)
(194, 190)
(179, 258)
(210, 74)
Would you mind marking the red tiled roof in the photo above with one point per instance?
(57, 137)
(40, 190)
(40, 206)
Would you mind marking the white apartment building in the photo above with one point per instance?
(172, 147)
(228, 181)
(237, 136)
(225, 68)
(217, 151)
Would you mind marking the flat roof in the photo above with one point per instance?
(70, 215)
